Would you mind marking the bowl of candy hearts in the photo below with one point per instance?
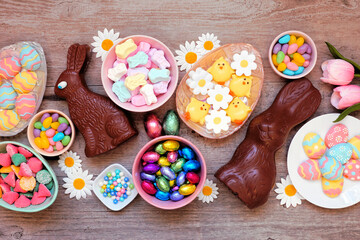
(169, 172)
(22, 85)
(27, 182)
(139, 73)
(218, 94)
(51, 132)
(114, 187)
(292, 54)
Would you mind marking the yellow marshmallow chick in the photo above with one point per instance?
(221, 71)
(240, 86)
(196, 111)
(238, 111)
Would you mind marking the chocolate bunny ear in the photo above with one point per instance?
(76, 57)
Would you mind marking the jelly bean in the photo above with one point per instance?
(273, 58)
(299, 59)
(163, 184)
(55, 125)
(163, 161)
(37, 142)
(303, 48)
(292, 48)
(281, 67)
(280, 57)
(145, 176)
(181, 178)
(288, 72)
(306, 56)
(191, 165)
(306, 63)
(163, 196)
(286, 59)
(50, 149)
(47, 122)
(68, 130)
(292, 39)
(192, 177)
(171, 145)
(43, 134)
(63, 120)
(187, 189)
(65, 141)
(159, 149)
(38, 125)
(62, 127)
(284, 39)
(37, 132)
(59, 146)
(172, 156)
(50, 133)
(44, 116)
(55, 117)
(58, 137)
(187, 153)
(175, 188)
(44, 129)
(276, 48)
(151, 168)
(292, 66)
(299, 71)
(176, 196)
(178, 165)
(167, 173)
(291, 56)
(285, 48)
(151, 157)
(300, 41)
(148, 187)
(309, 50)
(51, 141)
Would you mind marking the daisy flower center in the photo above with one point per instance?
(208, 45)
(207, 191)
(107, 44)
(79, 183)
(244, 63)
(217, 120)
(190, 57)
(290, 190)
(219, 97)
(69, 162)
(202, 83)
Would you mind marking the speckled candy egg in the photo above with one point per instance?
(330, 168)
(314, 145)
(341, 152)
(310, 170)
(25, 105)
(332, 188)
(352, 170)
(338, 133)
(355, 144)
(7, 96)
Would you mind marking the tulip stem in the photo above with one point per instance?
(337, 54)
(347, 111)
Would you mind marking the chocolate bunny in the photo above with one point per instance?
(251, 172)
(100, 121)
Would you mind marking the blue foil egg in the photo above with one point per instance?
(180, 179)
(187, 153)
(191, 166)
(176, 196)
(163, 196)
(168, 173)
(145, 176)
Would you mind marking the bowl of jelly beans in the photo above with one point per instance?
(169, 172)
(114, 187)
(51, 132)
(292, 54)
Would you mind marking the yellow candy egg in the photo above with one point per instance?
(187, 189)
(163, 161)
(273, 58)
(38, 142)
(45, 143)
(292, 39)
(299, 59)
(55, 125)
(300, 41)
(158, 173)
(47, 122)
(43, 134)
(171, 145)
(281, 67)
(172, 182)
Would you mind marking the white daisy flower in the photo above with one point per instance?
(209, 192)
(207, 43)
(69, 162)
(219, 97)
(217, 121)
(187, 56)
(200, 81)
(244, 63)
(78, 184)
(103, 42)
(287, 193)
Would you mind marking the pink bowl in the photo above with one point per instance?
(111, 57)
(168, 205)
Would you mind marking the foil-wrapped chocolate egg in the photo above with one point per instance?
(162, 184)
(152, 125)
(151, 168)
(171, 145)
(172, 156)
(192, 177)
(178, 165)
(171, 123)
(163, 161)
(175, 188)
(176, 196)
(187, 189)
(172, 182)
(181, 178)
(148, 187)
(159, 149)
(187, 153)
(145, 176)
(191, 166)
(151, 157)
(167, 173)
(163, 196)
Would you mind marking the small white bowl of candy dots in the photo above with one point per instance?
(292, 54)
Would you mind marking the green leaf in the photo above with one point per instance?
(347, 111)
(357, 75)
(336, 54)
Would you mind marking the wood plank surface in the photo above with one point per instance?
(58, 24)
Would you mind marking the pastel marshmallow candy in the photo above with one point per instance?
(148, 92)
(158, 75)
(159, 59)
(132, 82)
(121, 91)
(160, 87)
(134, 71)
(140, 58)
(144, 46)
(117, 72)
(138, 100)
(124, 49)
(152, 51)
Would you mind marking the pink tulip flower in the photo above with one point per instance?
(345, 96)
(337, 72)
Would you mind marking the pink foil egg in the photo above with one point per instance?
(148, 187)
(151, 157)
(152, 126)
(172, 156)
(192, 177)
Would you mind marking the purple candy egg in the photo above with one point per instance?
(172, 156)
(175, 188)
(37, 132)
(151, 168)
(145, 176)
(151, 157)
(303, 48)
(168, 173)
(68, 131)
(176, 196)
(44, 116)
(306, 56)
(55, 117)
(276, 48)
(180, 179)
(62, 127)
(309, 50)
(148, 187)
(285, 48)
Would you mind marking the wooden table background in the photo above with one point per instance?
(58, 24)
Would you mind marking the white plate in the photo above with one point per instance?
(312, 190)
(108, 202)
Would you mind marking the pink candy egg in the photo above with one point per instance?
(352, 170)
(148, 187)
(50, 133)
(192, 177)
(292, 48)
(292, 66)
(59, 146)
(286, 59)
(172, 156)
(49, 149)
(338, 133)
(151, 157)
(51, 141)
(306, 63)
(310, 170)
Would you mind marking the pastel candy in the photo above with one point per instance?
(288, 72)
(117, 72)
(352, 170)
(29, 58)
(292, 66)
(276, 48)
(132, 82)
(152, 51)
(8, 119)
(332, 188)
(138, 100)
(285, 48)
(148, 92)
(330, 168)
(302, 49)
(144, 46)
(158, 75)
(7, 96)
(160, 87)
(340, 152)
(9, 67)
(314, 146)
(355, 144)
(124, 49)
(25, 105)
(292, 48)
(299, 71)
(121, 91)
(140, 58)
(134, 71)
(284, 39)
(58, 137)
(159, 59)
(310, 170)
(24, 82)
(337, 134)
